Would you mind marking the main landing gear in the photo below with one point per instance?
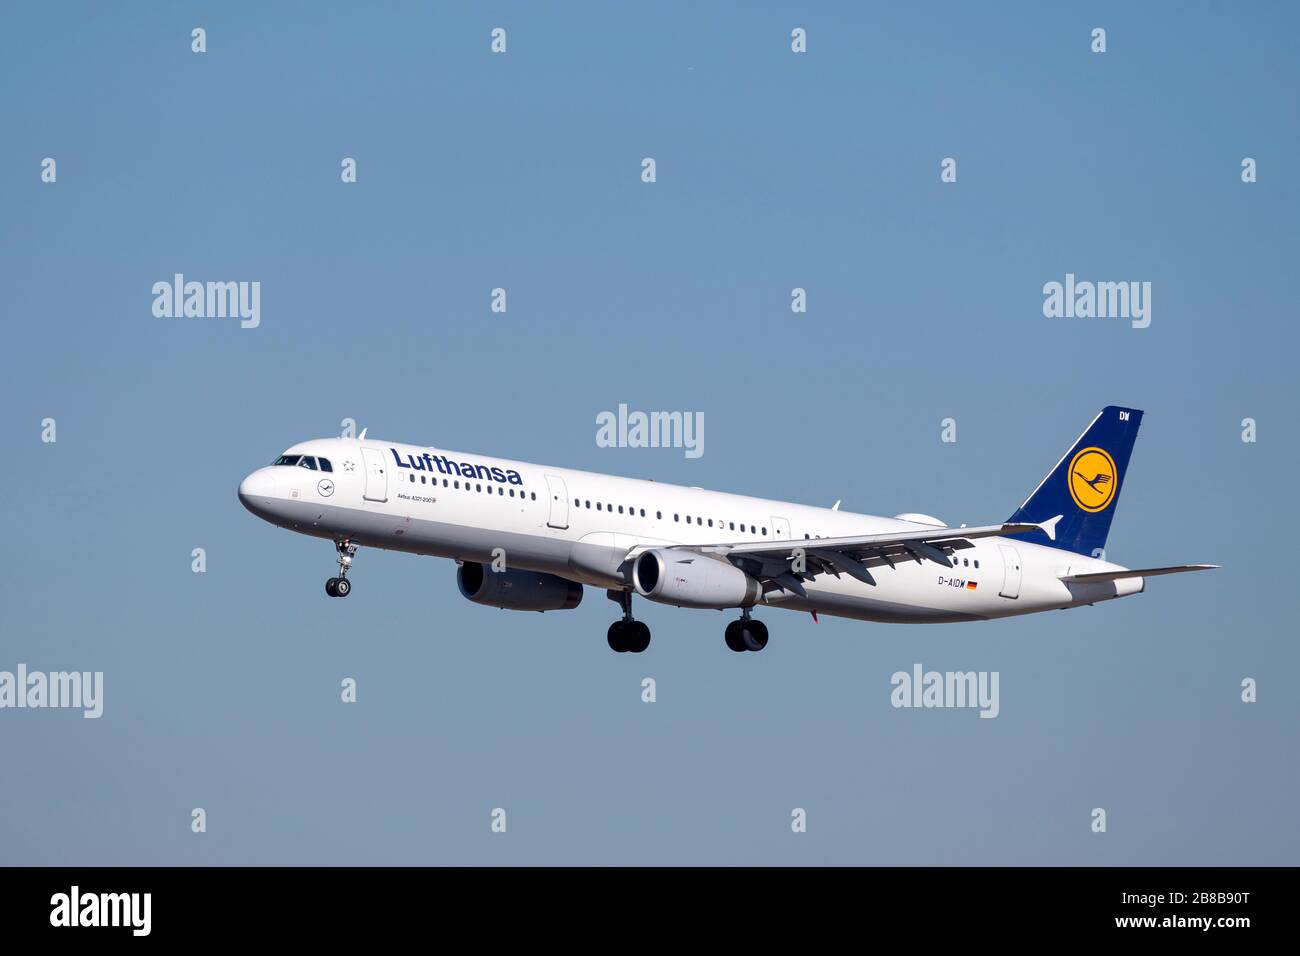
(627, 635)
(341, 586)
(746, 634)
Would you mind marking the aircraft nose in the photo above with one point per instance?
(256, 490)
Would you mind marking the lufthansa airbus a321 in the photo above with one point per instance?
(530, 537)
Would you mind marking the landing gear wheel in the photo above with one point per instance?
(732, 636)
(636, 636)
(753, 634)
(626, 635)
(616, 637)
(339, 587)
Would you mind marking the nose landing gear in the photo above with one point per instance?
(626, 635)
(341, 586)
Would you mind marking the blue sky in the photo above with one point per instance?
(522, 171)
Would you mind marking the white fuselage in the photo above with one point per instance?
(583, 526)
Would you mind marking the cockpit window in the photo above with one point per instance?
(304, 461)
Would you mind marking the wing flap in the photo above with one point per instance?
(873, 542)
(776, 562)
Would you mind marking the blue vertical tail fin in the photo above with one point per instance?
(1084, 486)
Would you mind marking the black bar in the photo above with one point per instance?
(206, 905)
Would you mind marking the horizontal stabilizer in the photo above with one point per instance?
(1136, 573)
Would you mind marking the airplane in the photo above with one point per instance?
(529, 537)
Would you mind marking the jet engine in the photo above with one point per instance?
(517, 590)
(687, 579)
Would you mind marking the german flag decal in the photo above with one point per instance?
(971, 585)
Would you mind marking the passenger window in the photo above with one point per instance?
(642, 512)
(977, 562)
(677, 517)
(325, 465)
(710, 522)
(534, 495)
(620, 509)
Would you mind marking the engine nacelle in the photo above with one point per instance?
(687, 579)
(517, 590)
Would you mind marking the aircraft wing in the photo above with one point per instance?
(787, 564)
(1136, 573)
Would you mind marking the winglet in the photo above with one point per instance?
(1049, 527)
(362, 436)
